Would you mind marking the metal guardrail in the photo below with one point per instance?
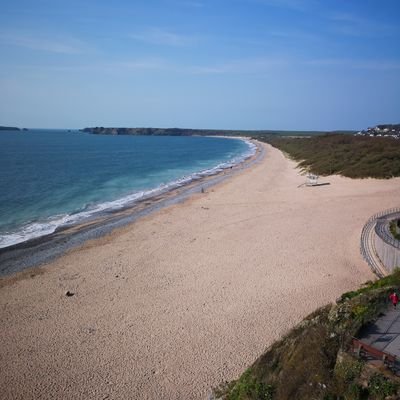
(383, 231)
(366, 243)
(360, 347)
(367, 251)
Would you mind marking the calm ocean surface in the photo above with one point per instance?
(53, 178)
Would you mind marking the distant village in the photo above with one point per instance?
(388, 130)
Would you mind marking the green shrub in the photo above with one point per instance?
(353, 392)
(381, 387)
(393, 230)
(346, 374)
(247, 386)
(390, 282)
(348, 370)
(360, 311)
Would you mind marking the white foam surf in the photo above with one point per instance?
(42, 228)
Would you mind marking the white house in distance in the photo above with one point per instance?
(390, 130)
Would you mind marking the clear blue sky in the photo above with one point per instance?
(233, 64)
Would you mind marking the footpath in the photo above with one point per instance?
(384, 333)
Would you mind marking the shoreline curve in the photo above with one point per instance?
(44, 249)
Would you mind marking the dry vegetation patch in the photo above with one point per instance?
(313, 360)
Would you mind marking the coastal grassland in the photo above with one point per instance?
(312, 361)
(347, 155)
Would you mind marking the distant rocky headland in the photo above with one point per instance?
(162, 131)
(388, 130)
(200, 132)
(9, 128)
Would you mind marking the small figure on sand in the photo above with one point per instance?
(394, 298)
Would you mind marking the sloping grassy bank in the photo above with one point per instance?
(347, 155)
(311, 361)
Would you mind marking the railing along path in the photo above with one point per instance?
(378, 224)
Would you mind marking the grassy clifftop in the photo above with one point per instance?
(311, 361)
(347, 155)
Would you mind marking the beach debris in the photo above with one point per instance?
(69, 294)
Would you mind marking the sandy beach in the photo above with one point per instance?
(189, 296)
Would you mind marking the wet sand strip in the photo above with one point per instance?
(39, 251)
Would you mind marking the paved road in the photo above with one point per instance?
(384, 333)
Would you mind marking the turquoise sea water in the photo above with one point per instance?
(53, 178)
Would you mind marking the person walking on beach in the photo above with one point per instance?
(394, 298)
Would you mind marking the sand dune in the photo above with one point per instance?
(189, 296)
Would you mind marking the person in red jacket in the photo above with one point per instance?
(394, 298)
